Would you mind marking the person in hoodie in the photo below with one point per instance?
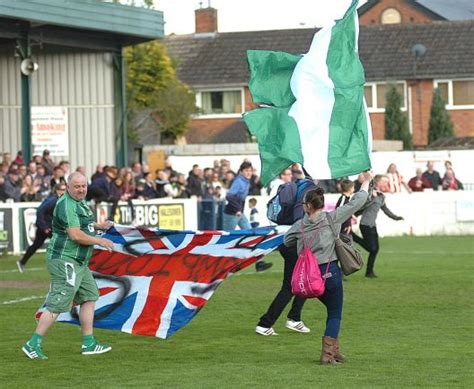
(315, 228)
(234, 209)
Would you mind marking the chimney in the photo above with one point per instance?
(206, 20)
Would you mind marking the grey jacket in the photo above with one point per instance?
(372, 208)
(323, 245)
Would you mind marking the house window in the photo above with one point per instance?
(391, 16)
(224, 102)
(375, 95)
(458, 94)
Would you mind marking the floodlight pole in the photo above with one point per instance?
(24, 49)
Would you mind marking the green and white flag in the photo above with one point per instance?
(312, 107)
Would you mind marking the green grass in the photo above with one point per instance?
(411, 327)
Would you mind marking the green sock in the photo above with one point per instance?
(87, 340)
(35, 339)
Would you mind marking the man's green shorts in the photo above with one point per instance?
(70, 281)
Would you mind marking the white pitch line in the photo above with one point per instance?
(22, 300)
(26, 270)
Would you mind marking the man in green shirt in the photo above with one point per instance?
(68, 255)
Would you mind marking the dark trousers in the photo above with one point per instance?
(370, 242)
(40, 237)
(290, 255)
(332, 298)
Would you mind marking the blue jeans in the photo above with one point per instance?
(231, 221)
(332, 298)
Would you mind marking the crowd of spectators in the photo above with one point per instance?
(32, 180)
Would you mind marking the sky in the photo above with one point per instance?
(252, 15)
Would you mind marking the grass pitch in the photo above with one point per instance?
(411, 327)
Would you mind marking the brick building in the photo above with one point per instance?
(214, 65)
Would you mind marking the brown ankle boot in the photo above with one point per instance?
(338, 356)
(327, 351)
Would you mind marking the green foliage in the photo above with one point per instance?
(409, 328)
(396, 123)
(152, 83)
(440, 121)
(149, 69)
(174, 103)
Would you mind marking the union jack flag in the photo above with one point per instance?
(155, 281)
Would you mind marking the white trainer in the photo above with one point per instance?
(265, 331)
(297, 326)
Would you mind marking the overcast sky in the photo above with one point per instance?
(252, 15)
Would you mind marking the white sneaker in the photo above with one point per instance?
(20, 266)
(297, 326)
(265, 331)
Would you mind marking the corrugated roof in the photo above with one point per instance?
(385, 51)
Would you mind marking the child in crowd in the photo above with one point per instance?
(254, 223)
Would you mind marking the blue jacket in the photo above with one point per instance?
(44, 213)
(236, 195)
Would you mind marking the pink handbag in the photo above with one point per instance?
(306, 280)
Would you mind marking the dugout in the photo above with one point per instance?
(74, 102)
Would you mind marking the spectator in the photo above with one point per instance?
(19, 158)
(207, 187)
(13, 187)
(148, 187)
(7, 158)
(284, 177)
(254, 223)
(32, 169)
(48, 163)
(66, 168)
(450, 182)
(419, 183)
(228, 179)
(129, 185)
(395, 180)
(22, 172)
(99, 172)
(36, 159)
(172, 174)
(219, 193)
(255, 184)
(100, 189)
(58, 177)
(45, 182)
(195, 181)
(163, 185)
(30, 190)
(180, 186)
(137, 171)
(328, 185)
(3, 194)
(432, 176)
(4, 167)
(81, 169)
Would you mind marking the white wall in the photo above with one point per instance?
(425, 213)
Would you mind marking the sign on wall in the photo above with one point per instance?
(49, 130)
(164, 216)
(6, 230)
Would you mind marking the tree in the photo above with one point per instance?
(396, 123)
(440, 121)
(152, 84)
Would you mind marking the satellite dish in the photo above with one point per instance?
(418, 50)
(28, 66)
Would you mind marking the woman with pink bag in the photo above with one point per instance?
(314, 228)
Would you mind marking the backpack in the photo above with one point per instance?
(281, 207)
(306, 280)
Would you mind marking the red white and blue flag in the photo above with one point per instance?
(155, 281)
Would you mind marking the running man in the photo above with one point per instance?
(68, 255)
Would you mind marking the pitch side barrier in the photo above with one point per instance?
(425, 214)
